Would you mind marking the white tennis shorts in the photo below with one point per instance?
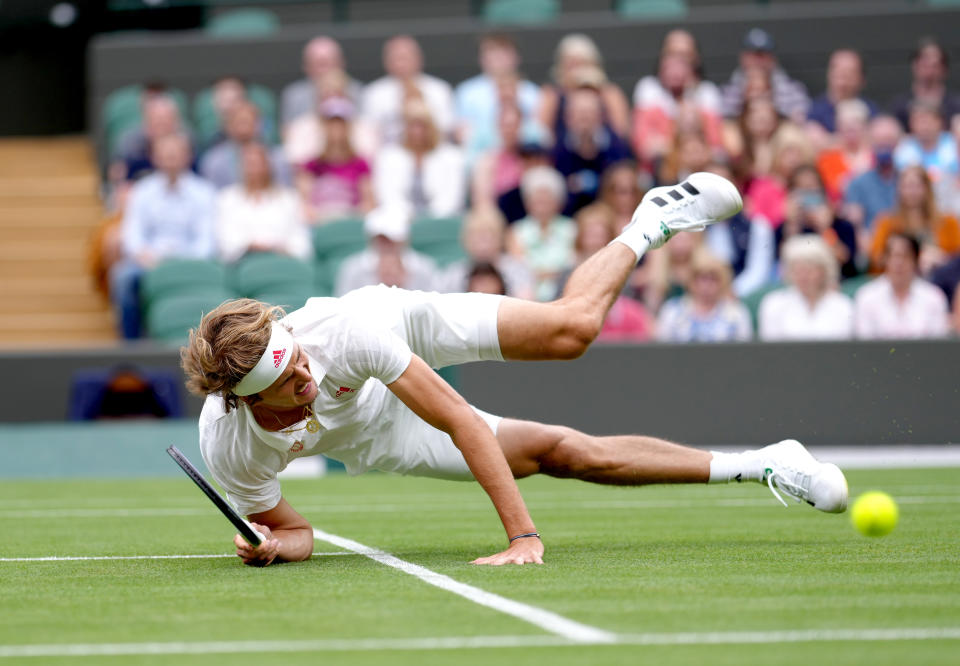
(443, 330)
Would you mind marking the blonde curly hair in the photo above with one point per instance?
(226, 345)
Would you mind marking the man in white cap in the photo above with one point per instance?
(352, 378)
(388, 232)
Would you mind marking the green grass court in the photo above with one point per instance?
(683, 575)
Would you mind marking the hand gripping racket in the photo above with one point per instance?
(253, 537)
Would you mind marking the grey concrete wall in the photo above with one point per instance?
(842, 393)
(837, 393)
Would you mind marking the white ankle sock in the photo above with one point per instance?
(727, 467)
(636, 241)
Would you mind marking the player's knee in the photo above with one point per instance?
(580, 332)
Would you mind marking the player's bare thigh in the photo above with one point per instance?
(532, 331)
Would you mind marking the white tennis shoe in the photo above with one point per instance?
(700, 200)
(790, 469)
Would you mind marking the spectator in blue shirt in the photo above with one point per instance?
(478, 99)
(927, 145)
(588, 147)
(170, 214)
(221, 164)
(875, 191)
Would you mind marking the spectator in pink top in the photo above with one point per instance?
(766, 196)
(661, 102)
(337, 183)
(900, 304)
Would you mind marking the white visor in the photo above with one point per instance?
(271, 365)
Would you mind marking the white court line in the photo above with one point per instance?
(555, 624)
(695, 503)
(84, 558)
(475, 642)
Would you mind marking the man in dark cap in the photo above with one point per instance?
(758, 70)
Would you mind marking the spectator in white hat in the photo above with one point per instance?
(388, 233)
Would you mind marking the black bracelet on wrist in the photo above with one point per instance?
(525, 536)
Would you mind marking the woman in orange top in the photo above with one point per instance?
(916, 214)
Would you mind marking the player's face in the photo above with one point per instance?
(295, 387)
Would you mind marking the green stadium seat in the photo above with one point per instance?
(851, 285)
(752, 300)
(264, 272)
(652, 9)
(206, 122)
(169, 319)
(438, 238)
(250, 22)
(181, 276)
(520, 12)
(291, 298)
(338, 239)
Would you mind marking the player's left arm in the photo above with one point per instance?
(437, 403)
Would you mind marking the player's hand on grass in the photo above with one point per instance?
(263, 554)
(521, 551)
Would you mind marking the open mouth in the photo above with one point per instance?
(306, 388)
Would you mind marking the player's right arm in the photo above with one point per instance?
(289, 537)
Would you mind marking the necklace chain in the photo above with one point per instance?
(312, 425)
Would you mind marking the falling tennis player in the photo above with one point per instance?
(352, 378)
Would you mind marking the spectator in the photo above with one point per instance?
(947, 188)
(544, 239)
(532, 155)
(259, 214)
(916, 214)
(927, 144)
(221, 164)
(498, 170)
(689, 154)
(587, 149)
(132, 159)
(789, 96)
(321, 57)
(929, 67)
(810, 307)
(305, 140)
(708, 312)
(483, 237)
(226, 93)
(577, 62)
(170, 214)
(766, 196)
(478, 99)
(337, 183)
(852, 154)
(385, 99)
(809, 212)
(387, 256)
(750, 141)
(874, 191)
(845, 80)
(106, 244)
(677, 91)
(899, 304)
(485, 279)
(747, 245)
(424, 171)
(620, 189)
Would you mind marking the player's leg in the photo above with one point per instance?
(787, 467)
(565, 328)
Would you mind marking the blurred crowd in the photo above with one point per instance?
(849, 227)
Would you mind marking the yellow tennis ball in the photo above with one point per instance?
(874, 513)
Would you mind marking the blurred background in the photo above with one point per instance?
(160, 156)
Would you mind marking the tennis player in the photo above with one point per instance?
(352, 378)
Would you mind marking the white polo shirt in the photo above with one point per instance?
(352, 358)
